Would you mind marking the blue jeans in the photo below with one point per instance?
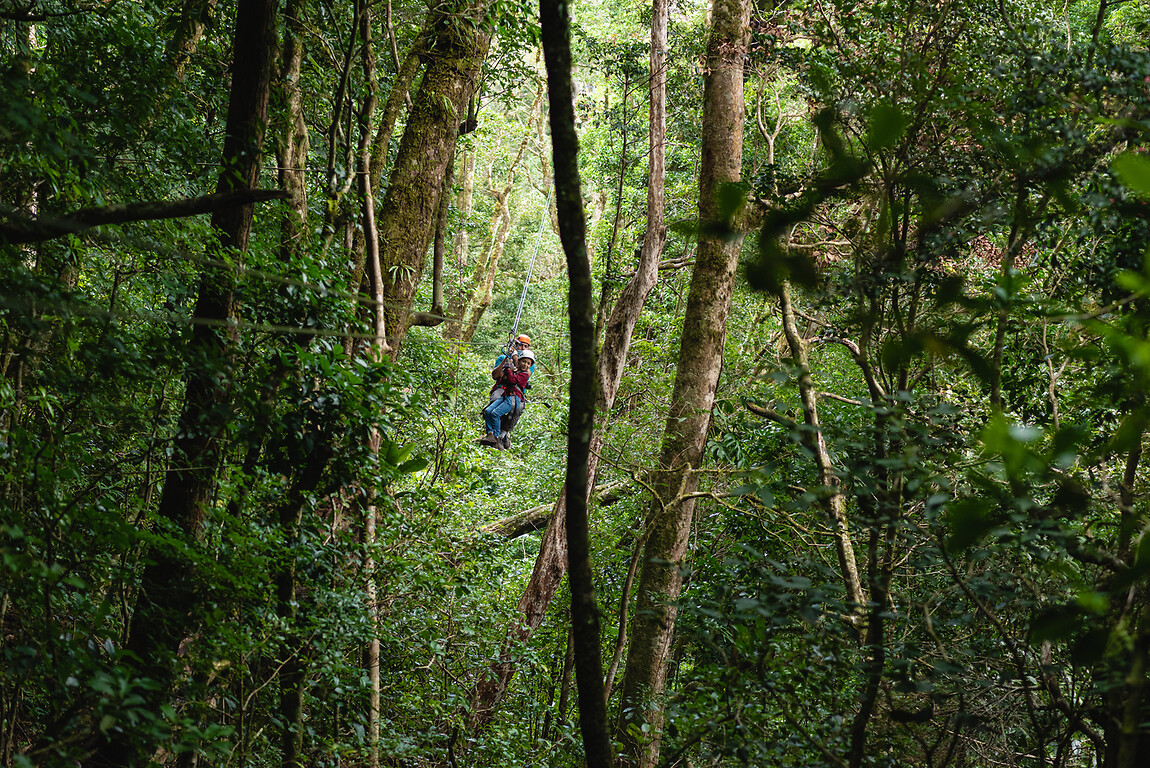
(496, 410)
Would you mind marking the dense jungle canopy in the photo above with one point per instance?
(834, 451)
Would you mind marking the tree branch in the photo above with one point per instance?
(17, 228)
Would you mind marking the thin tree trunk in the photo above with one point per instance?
(291, 151)
(379, 348)
(621, 637)
(581, 420)
(831, 498)
(483, 279)
(700, 361)
(466, 188)
(486, 269)
(551, 562)
(617, 219)
(392, 107)
(168, 590)
(371, 233)
(293, 140)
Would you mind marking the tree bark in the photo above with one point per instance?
(700, 361)
(167, 596)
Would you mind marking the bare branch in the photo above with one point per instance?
(17, 228)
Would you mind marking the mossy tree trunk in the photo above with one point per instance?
(408, 211)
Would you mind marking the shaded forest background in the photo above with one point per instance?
(871, 299)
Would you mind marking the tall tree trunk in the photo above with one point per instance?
(292, 143)
(581, 421)
(551, 562)
(700, 360)
(408, 211)
(379, 347)
(167, 596)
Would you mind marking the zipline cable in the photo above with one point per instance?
(530, 267)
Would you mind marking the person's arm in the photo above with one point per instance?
(501, 363)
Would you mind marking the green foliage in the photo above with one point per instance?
(966, 204)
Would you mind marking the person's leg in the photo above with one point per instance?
(494, 412)
(512, 418)
(486, 415)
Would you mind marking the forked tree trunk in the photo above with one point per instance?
(551, 562)
(700, 361)
(168, 591)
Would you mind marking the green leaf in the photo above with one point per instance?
(414, 465)
(1090, 648)
(1133, 170)
(1055, 623)
(968, 520)
(1129, 432)
(767, 497)
(886, 127)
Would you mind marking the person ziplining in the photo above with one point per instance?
(514, 348)
(512, 374)
(502, 413)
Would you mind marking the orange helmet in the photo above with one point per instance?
(523, 338)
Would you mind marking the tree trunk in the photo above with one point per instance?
(831, 498)
(700, 360)
(408, 211)
(193, 18)
(378, 348)
(466, 190)
(617, 219)
(581, 419)
(292, 143)
(551, 562)
(292, 140)
(167, 594)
